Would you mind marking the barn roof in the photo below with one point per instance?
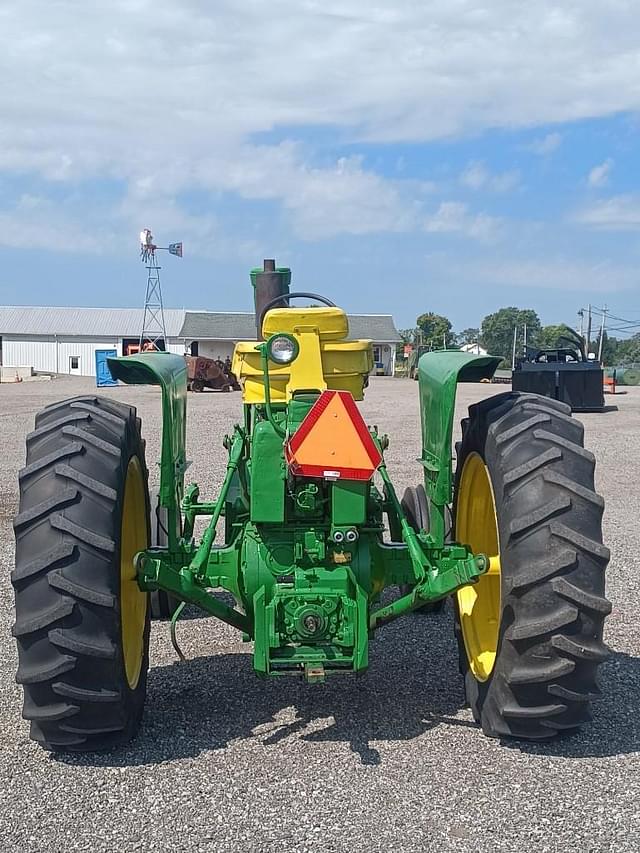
(89, 322)
(191, 325)
(234, 326)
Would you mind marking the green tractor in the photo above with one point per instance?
(308, 535)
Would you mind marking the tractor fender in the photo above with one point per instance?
(169, 371)
(438, 375)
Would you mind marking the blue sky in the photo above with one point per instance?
(401, 157)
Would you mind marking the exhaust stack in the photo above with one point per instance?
(268, 283)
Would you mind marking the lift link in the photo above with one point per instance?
(156, 567)
(155, 571)
(439, 570)
(454, 571)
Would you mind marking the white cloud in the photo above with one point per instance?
(599, 175)
(618, 213)
(454, 217)
(562, 274)
(546, 144)
(35, 222)
(129, 87)
(341, 197)
(162, 98)
(476, 176)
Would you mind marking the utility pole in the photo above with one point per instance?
(602, 328)
(589, 330)
(444, 340)
(581, 315)
(525, 341)
(513, 351)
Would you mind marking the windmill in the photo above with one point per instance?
(153, 326)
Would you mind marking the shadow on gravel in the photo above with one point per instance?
(207, 702)
(615, 729)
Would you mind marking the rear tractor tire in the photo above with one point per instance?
(416, 508)
(82, 623)
(530, 630)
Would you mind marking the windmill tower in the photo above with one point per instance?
(153, 335)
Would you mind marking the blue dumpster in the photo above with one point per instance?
(103, 374)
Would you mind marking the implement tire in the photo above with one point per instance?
(82, 624)
(530, 632)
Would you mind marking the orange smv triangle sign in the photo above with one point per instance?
(333, 441)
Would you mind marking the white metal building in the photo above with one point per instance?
(65, 340)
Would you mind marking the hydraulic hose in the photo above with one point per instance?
(264, 358)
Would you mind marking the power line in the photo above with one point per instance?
(628, 327)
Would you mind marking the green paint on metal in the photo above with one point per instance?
(450, 569)
(304, 558)
(264, 361)
(155, 573)
(169, 371)
(438, 374)
(201, 558)
(348, 502)
(415, 550)
(268, 473)
(297, 410)
(285, 272)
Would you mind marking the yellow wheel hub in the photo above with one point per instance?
(479, 603)
(133, 602)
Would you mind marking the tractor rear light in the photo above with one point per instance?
(282, 349)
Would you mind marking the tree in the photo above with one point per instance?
(409, 336)
(549, 337)
(435, 328)
(468, 336)
(496, 334)
(609, 349)
(626, 351)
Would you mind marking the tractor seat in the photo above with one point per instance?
(330, 324)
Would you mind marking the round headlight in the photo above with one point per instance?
(282, 349)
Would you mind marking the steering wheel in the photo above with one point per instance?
(297, 295)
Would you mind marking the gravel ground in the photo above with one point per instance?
(391, 761)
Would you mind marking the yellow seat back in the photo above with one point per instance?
(331, 324)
